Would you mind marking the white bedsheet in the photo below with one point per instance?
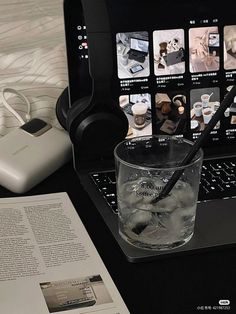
(32, 58)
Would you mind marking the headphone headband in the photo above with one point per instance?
(95, 122)
(99, 41)
(96, 16)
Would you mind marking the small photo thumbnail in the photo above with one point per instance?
(203, 104)
(230, 47)
(137, 108)
(171, 112)
(132, 55)
(204, 48)
(169, 52)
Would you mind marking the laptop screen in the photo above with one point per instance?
(188, 66)
(139, 44)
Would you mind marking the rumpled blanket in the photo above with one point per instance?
(32, 58)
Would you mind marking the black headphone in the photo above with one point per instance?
(95, 122)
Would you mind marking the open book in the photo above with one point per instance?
(48, 262)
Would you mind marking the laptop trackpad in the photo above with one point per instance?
(215, 223)
(214, 228)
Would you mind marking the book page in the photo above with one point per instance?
(48, 263)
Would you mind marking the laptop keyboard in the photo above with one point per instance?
(106, 183)
(218, 180)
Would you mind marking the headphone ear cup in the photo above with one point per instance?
(62, 107)
(75, 116)
(96, 130)
(178, 102)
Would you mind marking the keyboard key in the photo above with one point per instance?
(112, 177)
(218, 180)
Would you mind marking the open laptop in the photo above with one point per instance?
(177, 92)
(138, 49)
(174, 57)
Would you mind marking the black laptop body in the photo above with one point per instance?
(173, 95)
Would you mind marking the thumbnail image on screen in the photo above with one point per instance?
(230, 47)
(171, 112)
(132, 54)
(204, 46)
(203, 102)
(169, 53)
(137, 108)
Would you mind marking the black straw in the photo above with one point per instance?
(198, 144)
